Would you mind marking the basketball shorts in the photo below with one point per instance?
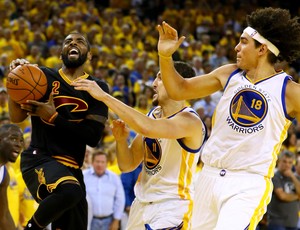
(43, 173)
(226, 200)
(170, 214)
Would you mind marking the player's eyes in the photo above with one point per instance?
(81, 42)
(67, 42)
(15, 139)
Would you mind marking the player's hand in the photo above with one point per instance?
(90, 86)
(168, 40)
(120, 130)
(44, 110)
(17, 62)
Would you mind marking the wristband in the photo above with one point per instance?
(165, 57)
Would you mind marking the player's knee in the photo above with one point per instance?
(71, 192)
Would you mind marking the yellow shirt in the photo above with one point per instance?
(53, 62)
(113, 166)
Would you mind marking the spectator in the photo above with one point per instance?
(197, 65)
(283, 209)
(142, 104)
(207, 104)
(106, 193)
(218, 58)
(121, 86)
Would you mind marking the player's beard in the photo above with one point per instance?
(74, 63)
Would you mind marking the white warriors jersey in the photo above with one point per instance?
(168, 168)
(249, 125)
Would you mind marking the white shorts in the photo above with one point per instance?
(162, 215)
(229, 200)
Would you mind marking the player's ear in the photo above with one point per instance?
(263, 49)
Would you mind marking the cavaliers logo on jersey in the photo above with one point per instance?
(248, 108)
(152, 154)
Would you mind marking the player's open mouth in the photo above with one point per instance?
(15, 154)
(73, 52)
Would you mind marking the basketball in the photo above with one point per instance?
(26, 82)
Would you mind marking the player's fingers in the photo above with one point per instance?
(116, 122)
(29, 108)
(17, 62)
(77, 81)
(31, 114)
(50, 100)
(13, 65)
(159, 29)
(181, 39)
(35, 103)
(121, 122)
(167, 27)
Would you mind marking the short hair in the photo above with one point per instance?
(286, 153)
(5, 127)
(184, 69)
(277, 26)
(98, 152)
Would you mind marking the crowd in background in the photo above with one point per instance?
(123, 40)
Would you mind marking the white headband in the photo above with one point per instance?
(255, 35)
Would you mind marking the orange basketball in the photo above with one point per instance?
(26, 82)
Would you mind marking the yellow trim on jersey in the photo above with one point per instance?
(66, 161)
(51, 187)
(261, 209)
(65, 77)
(184, 180)
(262, 79)
(277, 148)
(213, 119)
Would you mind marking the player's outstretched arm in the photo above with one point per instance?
(136, 120)
(179, 88)
(133, 118)
(129, 158)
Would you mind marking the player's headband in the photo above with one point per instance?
(255, 35)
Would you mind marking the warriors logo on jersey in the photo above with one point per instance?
(152, 155)
(248, 108)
